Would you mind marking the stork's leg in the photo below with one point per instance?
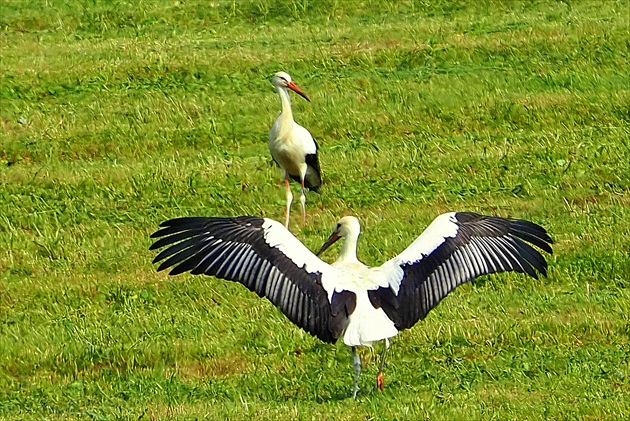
(379, 376)
(303, 202)
(289, 201)
(356, 359)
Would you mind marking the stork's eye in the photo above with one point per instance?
(338, 227)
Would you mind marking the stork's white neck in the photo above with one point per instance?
(285, 101)
(348, 252)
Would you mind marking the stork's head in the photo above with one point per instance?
(283, 80)
(348, 226)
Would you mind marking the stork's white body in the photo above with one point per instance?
(366, 324)
(289, 143)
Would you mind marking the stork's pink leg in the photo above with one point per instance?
(356, 361)
(289, 201)
(380, 379)
(303, 203)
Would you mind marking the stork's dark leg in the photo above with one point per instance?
(356, 359)
(379, 376)
(289, 200)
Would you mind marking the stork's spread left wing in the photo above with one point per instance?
(455, 248)
(262, 255)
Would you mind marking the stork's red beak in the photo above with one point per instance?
(291, 85)
(331, 240)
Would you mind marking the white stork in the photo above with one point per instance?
(292, 147)
(347, 299)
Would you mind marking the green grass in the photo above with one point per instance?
(118, 115)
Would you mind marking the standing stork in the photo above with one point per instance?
(292, 147)
(347, 299)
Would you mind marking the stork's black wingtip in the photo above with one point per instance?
(544, 271)
(176, 270)
(161, 267)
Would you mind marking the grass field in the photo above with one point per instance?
(117, 115)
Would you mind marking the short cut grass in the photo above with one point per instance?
(117, 115)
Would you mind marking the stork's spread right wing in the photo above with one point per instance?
(455, 248)
(265, 257)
